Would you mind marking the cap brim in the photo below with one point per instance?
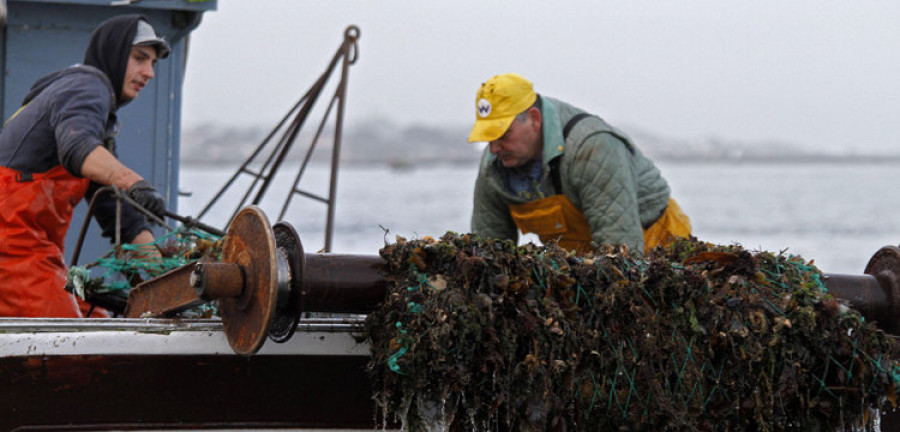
(490, 130)
(161, 47)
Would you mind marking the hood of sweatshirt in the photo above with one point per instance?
(110, 47)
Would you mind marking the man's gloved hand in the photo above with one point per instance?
(147, 196)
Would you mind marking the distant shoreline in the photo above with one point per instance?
(747, 160)
(789, 160)
(383, 143)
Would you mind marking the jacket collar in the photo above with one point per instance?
(554, 144)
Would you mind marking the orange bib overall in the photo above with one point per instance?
(35, 213)
(556, 218)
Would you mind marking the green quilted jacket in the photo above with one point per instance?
(605, 176)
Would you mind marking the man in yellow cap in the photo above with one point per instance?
(566, 175)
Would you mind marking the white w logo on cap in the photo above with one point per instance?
(484, 107)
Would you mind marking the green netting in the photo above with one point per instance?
(485, 335)
(128, 265)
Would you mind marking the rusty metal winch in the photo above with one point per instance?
(265, 281)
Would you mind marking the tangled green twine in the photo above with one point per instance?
(114, 279)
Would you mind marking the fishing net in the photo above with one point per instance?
(487, 335)
(127, 265)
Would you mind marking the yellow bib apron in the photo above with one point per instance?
(556, 218)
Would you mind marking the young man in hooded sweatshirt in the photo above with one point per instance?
(57, 149)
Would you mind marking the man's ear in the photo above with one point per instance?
(535, 115)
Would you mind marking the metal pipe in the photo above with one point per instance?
(343, 283)
(331, 283)
(214, 280)
(350, 52)
(191, 222)
(865, 294)
(337, 283)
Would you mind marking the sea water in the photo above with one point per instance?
(837, 215)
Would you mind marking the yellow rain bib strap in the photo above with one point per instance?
(554, 218)
(672, 224)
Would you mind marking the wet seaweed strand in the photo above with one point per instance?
(485, 335)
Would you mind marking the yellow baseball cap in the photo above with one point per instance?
(498, 102)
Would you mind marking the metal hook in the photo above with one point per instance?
(351, 34)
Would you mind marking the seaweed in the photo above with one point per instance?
(481, 334)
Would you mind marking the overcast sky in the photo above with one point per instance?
(811, 72)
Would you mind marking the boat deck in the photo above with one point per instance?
(145, 374)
